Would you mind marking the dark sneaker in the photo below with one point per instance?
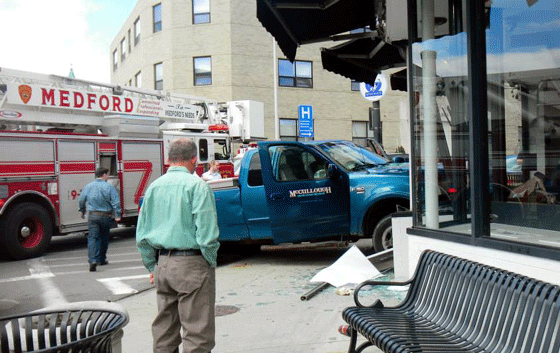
(103, 263)
(92, 267)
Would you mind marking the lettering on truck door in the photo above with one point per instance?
(142, 164)
(304, 203)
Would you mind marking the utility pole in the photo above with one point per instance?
(375, 121)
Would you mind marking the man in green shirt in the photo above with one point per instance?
(177, 236)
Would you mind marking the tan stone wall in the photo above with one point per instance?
(152, 48)
(242, 68)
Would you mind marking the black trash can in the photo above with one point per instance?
(93, 326)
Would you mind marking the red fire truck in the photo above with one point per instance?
(54, 132)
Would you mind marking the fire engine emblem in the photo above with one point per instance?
(25, 93)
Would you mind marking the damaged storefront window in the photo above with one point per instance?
(523, 121)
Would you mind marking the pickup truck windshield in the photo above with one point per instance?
(350, 156)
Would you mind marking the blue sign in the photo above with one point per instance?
(376, 91)
(305, 121)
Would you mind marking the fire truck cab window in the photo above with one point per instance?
(109, 161)
(203, 150)
(220, 150)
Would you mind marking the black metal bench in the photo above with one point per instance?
(456, 305)
(78, 327)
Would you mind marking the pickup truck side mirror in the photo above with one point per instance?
(332, 171)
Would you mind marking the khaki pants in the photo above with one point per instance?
(186, 297)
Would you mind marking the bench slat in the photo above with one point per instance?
(456, 305)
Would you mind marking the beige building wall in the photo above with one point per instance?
(243, 68)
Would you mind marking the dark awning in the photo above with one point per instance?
(293, 23)
(362, 59)
(399, 80)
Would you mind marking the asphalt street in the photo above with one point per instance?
(61, 275)
(258, 304)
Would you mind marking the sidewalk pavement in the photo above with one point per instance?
(258, 308)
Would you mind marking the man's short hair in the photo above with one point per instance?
(99, 172)
(181, 150)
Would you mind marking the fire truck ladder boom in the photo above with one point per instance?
(31, 99)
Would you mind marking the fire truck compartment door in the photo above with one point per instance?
(77, 169)
(142, 164)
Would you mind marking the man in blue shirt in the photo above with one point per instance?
(101, 202)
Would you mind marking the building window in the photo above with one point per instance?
(296, 74)
(202, 71)
(288, 130)
(157, 17)
(128, 39)
(137, 31)
(360, 133)
(123, 49)
(115, 60)
(138, 79)
(158, 76)
(201, 11)
(355, 85)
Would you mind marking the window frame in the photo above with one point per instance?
(197, 76)
(196, 15)
(137, 31)
(288, 137)
(136, 76)
(254, 178)
(157, 25)
(358, 139)
(129, 41)
(482, 160)
(296, 80)
(355, 86)
(115, 59)
(156, 81)
(123, 49)
(203, 151)
(294, 163)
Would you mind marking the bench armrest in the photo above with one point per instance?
(375, 283)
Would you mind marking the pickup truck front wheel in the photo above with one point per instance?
(382, 237)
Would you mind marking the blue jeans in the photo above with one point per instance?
(98, 238)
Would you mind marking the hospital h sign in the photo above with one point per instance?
(305, 120)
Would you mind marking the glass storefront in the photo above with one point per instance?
(517, 142)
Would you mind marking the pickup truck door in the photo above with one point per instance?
(303, 201)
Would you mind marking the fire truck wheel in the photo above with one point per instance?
(383, 235)
(28, 231)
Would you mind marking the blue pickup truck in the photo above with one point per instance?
(292, 192)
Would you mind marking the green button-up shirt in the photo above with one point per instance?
(178, 212)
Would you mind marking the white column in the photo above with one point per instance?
(275, 89)
(430, 117)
